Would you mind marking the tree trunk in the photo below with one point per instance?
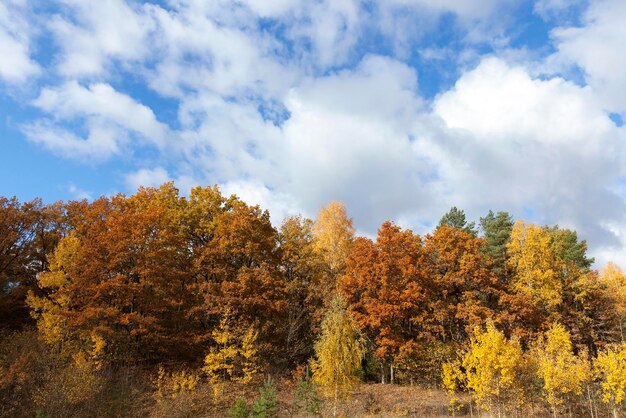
(590, 404)
(391, 374)
(336, 393)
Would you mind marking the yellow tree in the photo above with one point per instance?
(249, 355)
(536, 286)
(334, 233)
(563, 373)
(491, 366)
(610, 367)
(453, 378)
(48, 310)
(234, 356)
(338, 353)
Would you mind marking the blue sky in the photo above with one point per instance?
(399, 108)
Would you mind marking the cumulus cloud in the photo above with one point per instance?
(597, 48)
(199, 53)
(349, 138)
(496, 101)
(255, 192)
(102, 141)
(73, 100)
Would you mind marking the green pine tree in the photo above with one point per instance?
(497, 233)
(455, 218)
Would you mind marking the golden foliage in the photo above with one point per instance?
(338, 352)
(491, 366)
(452, 375)
(536, 266)
(173, 384)
(563, 373)
(249, 357)
(235, 356)
(334, 234)
(610, 368)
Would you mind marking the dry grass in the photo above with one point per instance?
(370, 400)
(377, 400)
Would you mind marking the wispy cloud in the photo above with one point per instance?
(16, 65)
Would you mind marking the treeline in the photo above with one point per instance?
(205, 284)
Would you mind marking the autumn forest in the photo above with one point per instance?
(159, 304)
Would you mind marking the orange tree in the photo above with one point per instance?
(463, 292)
(384, 287)
(117, 279)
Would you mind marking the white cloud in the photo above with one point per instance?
(226, 140)
(200, 54)
(146, 177)
(272, 8)
(254, 192)
(16, 65)
(333, 26)
(348, 138)
(109, 117)
(403, 22)
(72, 100)
(94, 34)
(102, 141)
(465, 9)
(548, 9)
(79, 193)
(598, 48)
(496, 101)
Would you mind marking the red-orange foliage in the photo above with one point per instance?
(149, 275)
(406, 293)
(124, 268)
(384, 285)
(463, 290)
(238, 267)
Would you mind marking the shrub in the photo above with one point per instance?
(266, 405)
(239, 409)
(307, 398)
